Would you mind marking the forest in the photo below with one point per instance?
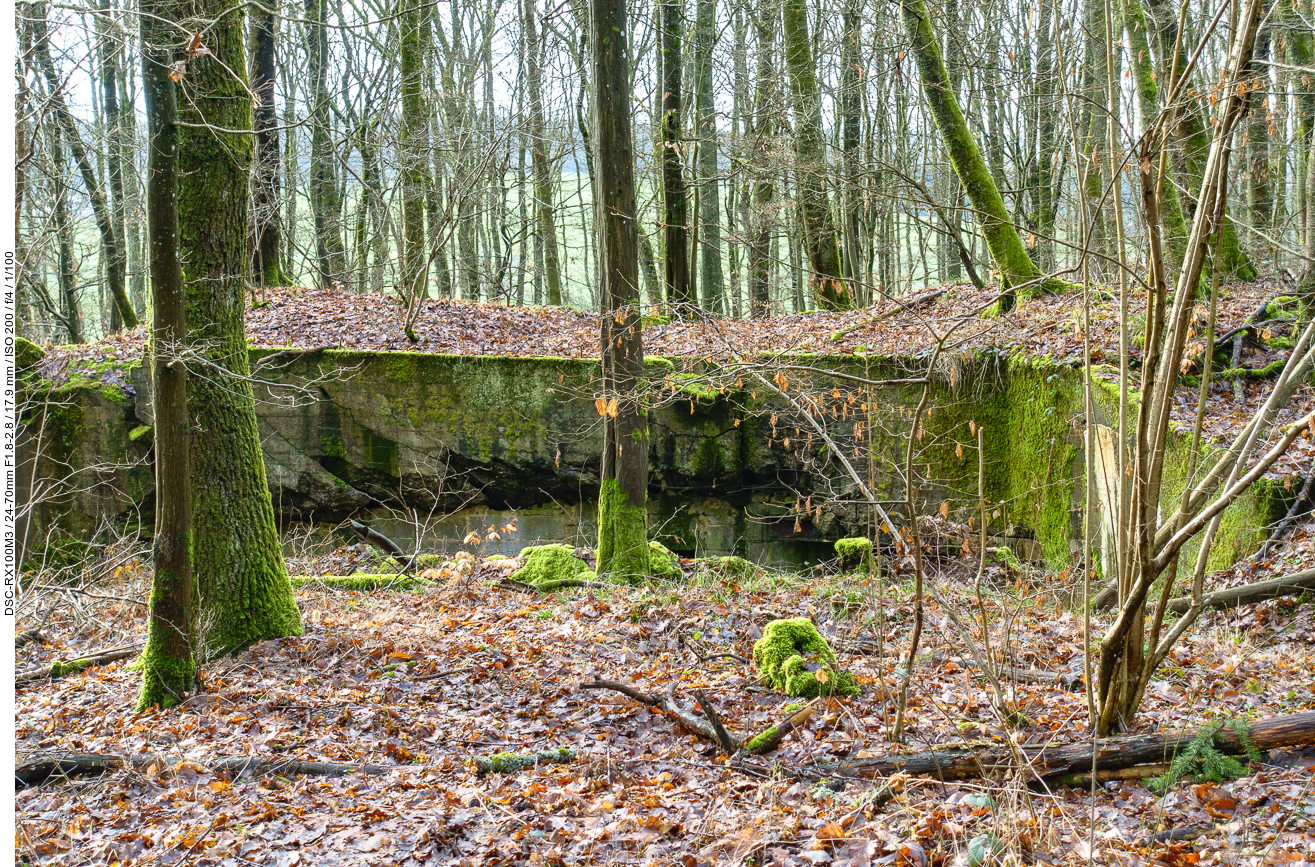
(718, 432)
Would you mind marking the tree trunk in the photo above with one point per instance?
(766, 17)
(622, 513)
(168, 662)
(544, 211)
(116, 260)
(267, 177)
(674, 199)
(1015, 266)
(68, 278)
(326, 207)
(413, 153)
(1260, 187)
(110, 244)
(815, 217)
(852, 82)
(709, 249)
(244, 591)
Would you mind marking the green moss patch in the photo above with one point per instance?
(363, 581)
(26, 353)
(726, 569)
(779, 657)
(663, 563)
(542, 564)
(855, 554)
(508, 763)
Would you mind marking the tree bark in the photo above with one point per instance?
(1247, 594)
(711, 278)
(545, 213)
(266, 239)
(816, 219)
(674, 199)
(622, 513)
(966, 763)
(413, 153)
(326, 207)
(168, 662)
(244, 590)
(763, 226)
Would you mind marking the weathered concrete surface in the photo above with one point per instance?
(456, 444)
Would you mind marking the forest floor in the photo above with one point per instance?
(425, 680)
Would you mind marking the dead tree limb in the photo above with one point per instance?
(1233, 597)
(61, 668)
(973, 762)
(686, 720)
(1304, 496)
(728, 744)
(769, 739)
(373, 537)
(67, 765)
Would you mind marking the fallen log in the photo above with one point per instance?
(978, 761)
(67, 765)
(29, 636)
(383, 543)
(770, 738)
(62, 668)
(1247, 594)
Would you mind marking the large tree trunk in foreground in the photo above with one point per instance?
(959, 763)
(815, 217)
(244, 591)
(168, 662)
(622, 513)
(1015, 266)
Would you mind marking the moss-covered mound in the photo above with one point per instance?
(26, 353)
(779, 656)
(542, 564)
(855, 554)
(662, 563)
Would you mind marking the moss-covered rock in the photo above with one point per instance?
(542, 564)
(779, 656)
(726, 568)
(855, 553)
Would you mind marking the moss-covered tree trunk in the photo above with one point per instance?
(812, 201)
(1011, 259)
(167, 663)
(244, 590)
(266, 220)
(414, 155)
(622, 513)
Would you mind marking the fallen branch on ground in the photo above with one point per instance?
(974, 762)
(383, 543)
(37, 771)
(685, 719)
(29, 636)
(1232, 597)
(61, 668)
(770, 738)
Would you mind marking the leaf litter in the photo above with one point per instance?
(423, 681)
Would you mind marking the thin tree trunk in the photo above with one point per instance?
(266, 228)
(709, 249)
(543, 179)
(674, 199)
(818, 224)
(622, 513)
(414, 156)
(168, 662)
(326, 207)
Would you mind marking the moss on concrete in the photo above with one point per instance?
(541, 564)
(662, 563)
(26, 353)
(779, 657)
